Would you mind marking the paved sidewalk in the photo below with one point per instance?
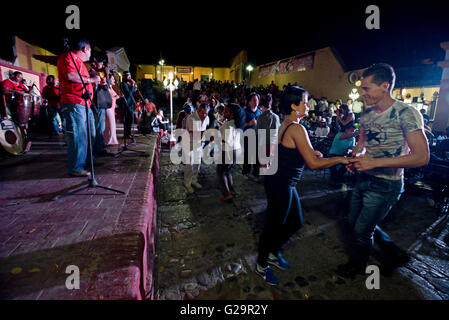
(207, 249)
(107, 235)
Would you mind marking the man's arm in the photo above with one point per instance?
(74, 77)
(418, 156)
(360, 144)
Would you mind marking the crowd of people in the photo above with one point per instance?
(390, 138)
(377, 143)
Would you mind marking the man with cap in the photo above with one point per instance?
(322, 130)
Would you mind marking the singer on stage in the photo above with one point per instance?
(128, 88)
(73, 105)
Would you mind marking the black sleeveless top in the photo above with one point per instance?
(290, 164)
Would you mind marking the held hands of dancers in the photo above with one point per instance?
(364, 163)
(361, 163)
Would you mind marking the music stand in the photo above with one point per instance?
(92, 182)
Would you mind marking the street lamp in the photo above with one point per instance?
(354, 95)
(171, 85)
(249, 68)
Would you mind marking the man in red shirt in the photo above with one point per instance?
(8, 86)
(73, 106)
(51, 94)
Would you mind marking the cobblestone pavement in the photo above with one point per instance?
(96, 229)
(207, 250)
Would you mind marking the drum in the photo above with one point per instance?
(24, 106)
(12, 138)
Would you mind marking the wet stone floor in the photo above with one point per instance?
(206, 250)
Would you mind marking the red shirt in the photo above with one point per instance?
(71, 91)
(11, 85)
(52, 95)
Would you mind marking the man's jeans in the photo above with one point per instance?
(76, 134)
(100, 124)
(372, 199)
(52, 122)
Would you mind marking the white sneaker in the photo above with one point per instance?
(189, 189)
(197, 185)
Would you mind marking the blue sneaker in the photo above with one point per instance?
(267, 274)
(278, 262)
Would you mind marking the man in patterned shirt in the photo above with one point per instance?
(393, 137)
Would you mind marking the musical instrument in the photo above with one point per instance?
(23, 103)
(12, 137)
(25, 106)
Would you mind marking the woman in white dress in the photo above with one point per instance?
(110, 134)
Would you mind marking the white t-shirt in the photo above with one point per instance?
(194, 123)
(322, 131)
(230, 136)
(312, 104)
(385, 135)
(357, 107)
(197, 85)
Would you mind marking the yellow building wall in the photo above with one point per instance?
(238, 63)
(25, 52)
(416, 92)
(222, 74)
(201, 71)
(327, 78)
(143, 69)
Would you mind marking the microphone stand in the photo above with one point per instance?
(92, 182)
(125, 145)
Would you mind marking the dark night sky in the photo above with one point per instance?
(211, 33)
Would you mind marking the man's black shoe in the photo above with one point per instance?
(388, 267)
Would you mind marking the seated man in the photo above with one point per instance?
(12, 90)
(9, 88)
(323, 130)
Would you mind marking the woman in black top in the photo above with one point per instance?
(284, 216)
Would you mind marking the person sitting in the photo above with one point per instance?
(323, 130)
(163, 122)
(343, 141)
